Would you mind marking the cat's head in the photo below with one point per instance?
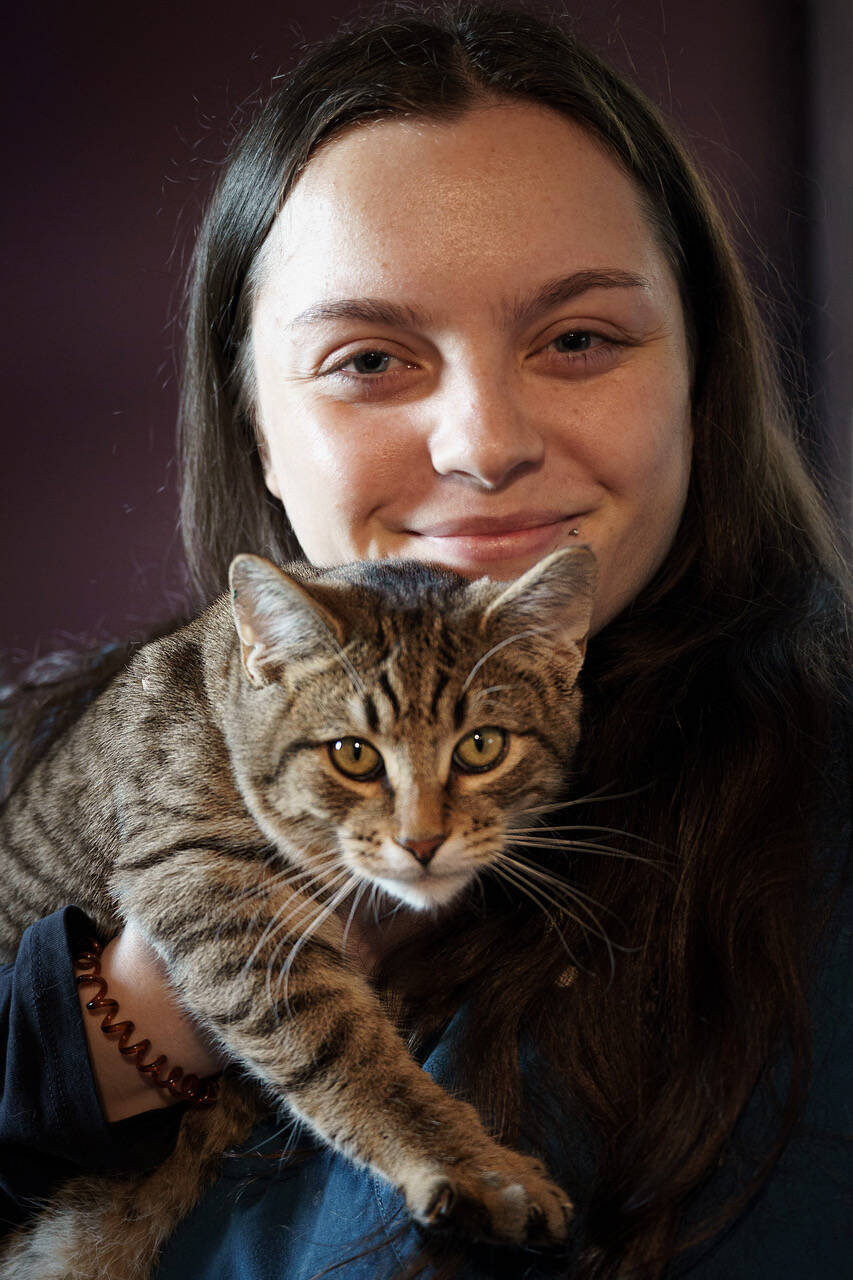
(391, 718)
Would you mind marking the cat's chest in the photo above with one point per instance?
(369, 934)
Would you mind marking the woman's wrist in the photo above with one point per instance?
(136, 979)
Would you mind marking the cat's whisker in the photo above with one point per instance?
(282, 919)
(303, 905)
(288, 877)
(300, 902)
(287, 1129)
(388, 914)
(373, 903)
(285, 926)
(280, 880)
(578, 895)
(519, 635)
(323, 915)
(291, 912)
(597, 930)
(293, 903)
(484, 695)
(293, 872)
(539, 898)
(517, 885)
(359, 894)
(594, 797)
(552, 806)
(543, 839)
(543, 890)
(357, 682)
(582, 900)
(582, 846)
(587, 826)
(388, 907)
(575, 826)
(482, 892)
(267, 933)
(568, 845)
(559, 882)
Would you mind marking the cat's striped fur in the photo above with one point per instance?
(199, 795)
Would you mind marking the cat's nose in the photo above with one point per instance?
(422, 850)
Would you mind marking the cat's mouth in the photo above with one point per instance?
(426, 891)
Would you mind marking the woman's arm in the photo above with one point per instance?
(55, 1112)
(136, 979)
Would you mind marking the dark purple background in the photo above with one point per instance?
(116, 121)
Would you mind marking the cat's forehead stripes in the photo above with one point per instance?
(388, 689)
(441, 680)
(413, 680)
(412, 692)
(460, 710)
(370, 712)
(430, 677)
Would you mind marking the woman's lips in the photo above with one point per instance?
(476, 542)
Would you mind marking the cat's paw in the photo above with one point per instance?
(504, 1198)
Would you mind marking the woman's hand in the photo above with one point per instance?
(136, 978)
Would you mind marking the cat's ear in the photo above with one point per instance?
(556, 595)
(276, 617)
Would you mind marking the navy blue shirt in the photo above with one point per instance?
(264, 1218)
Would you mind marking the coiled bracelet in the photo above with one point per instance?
(197, 1091)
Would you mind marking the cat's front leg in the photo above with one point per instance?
(314, 1032)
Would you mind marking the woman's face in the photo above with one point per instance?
(467, 346)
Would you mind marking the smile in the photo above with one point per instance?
(483, 540)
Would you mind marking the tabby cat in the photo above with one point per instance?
(376, 727)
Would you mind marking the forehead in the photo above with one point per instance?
(503, 192)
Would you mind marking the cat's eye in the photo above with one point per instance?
(480, 750)
(356, 758)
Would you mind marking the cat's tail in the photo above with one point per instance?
(98, 1228)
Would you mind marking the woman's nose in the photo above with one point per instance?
(484, 432)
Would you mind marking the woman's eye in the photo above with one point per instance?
(356, 758)
(584, 345)
(367, 365)
(581, 351)
(577, 340)
(480, 750)
(373, 367)
(369, 360)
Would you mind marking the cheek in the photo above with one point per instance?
(666, 461)
(326, 483)
(645, 468)
(338, 478)
(656, 467)
(645, 445)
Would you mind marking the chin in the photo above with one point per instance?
(429, 894)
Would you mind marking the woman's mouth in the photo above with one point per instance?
(475, 543)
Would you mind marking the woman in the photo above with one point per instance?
(460, 296)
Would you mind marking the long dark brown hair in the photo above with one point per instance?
(712, 702)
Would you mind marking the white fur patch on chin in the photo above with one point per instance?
(427, 894)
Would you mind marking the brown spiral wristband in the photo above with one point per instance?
(198, 1092)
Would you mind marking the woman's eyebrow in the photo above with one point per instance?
(382, 311)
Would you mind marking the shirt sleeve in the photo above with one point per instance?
(51, 1123)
